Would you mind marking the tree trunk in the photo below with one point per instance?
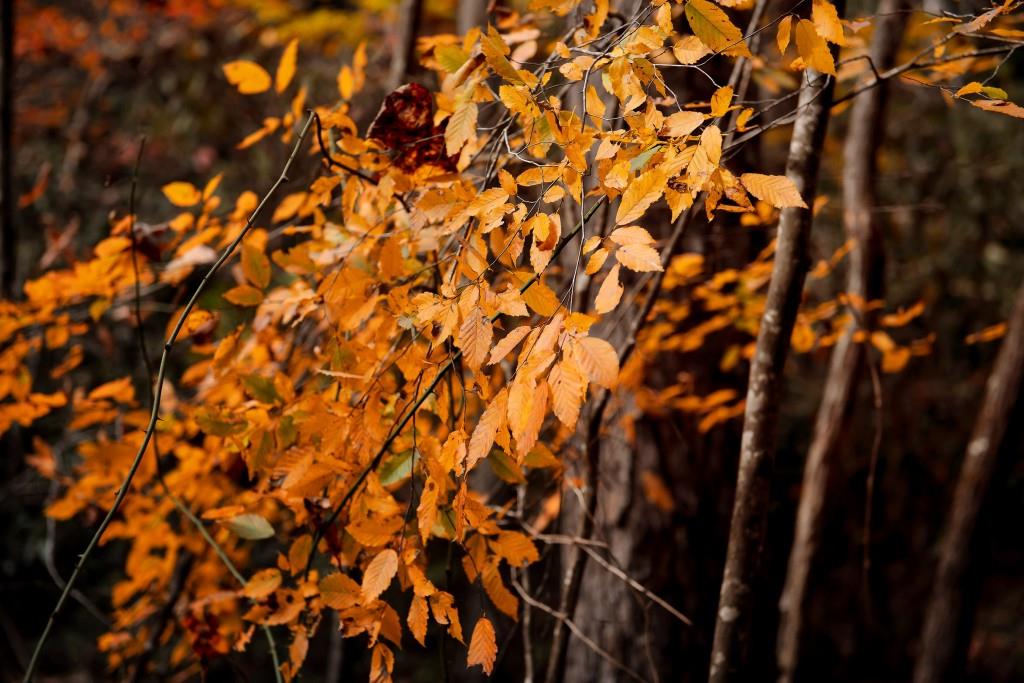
(864, 282)
(403, 61)
(757, 449)
(471, 13)
(940, 646)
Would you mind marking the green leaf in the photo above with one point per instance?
(261, 388)
(450, 57)
(216, 426)
(250, 526)
(505, 468)
(995, 93)
(396, 468)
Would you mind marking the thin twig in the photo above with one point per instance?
(562, 618)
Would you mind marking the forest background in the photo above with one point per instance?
(566, 517)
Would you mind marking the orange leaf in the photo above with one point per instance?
(486, 431)
(639, 257)
(813, 49)
(598, 358)
(339, 591)
(777, 190)
(511, 340)
(483, 649)
(286, 67)
(610, 293)
(639, 195)
(248, 77)
(379, 573)
(255, 265)
(244, 295)
(182, 194)
(417, 619)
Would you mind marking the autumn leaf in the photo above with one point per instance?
(483, 649)
(182, 194)
(417, 619)
(709, 23)
(379, 573)
(682, 123)
(826, 22)
(248, 77)
(262, 584)
(339, 591)
(461, 127)
(492, 419)
(610, 293)
(251, 527)
(598, 358)
(641, 258)
(255, 265)
(286, 67)
(784, 32)
(474, 338)
(813, 49)
(244, 295)
(639, 195)
(777, 190)
(511, 340)
(568, 385)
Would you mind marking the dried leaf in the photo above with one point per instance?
(379, 573)
(777, 190)
(483, 649)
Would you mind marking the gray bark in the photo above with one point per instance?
(864, 281)
(940, 647)
(757, 449)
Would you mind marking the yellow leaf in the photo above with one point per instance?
(639, 257)
(777, 190)
(248, 77)
(826, 22)
(417, 619)
(461, 127)
(182, 194)
(813, 49)
(598, 358)
(379, 573)
(492, 419)
(721, 100)
(785, 29)
(286, 67)
(483, 648)
(715, 30)
(640, 194)
(610, 294)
